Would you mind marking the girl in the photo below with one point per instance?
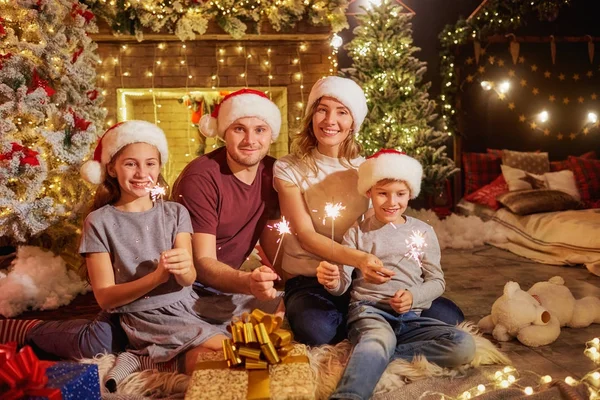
(138, 254)
(320, 169)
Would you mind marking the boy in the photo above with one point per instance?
(384, 320)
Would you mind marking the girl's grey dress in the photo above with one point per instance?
(166, 321)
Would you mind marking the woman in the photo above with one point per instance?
(321, 169)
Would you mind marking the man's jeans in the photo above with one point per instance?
(317, 317)
(379, 336)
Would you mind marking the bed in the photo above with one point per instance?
(550, 217)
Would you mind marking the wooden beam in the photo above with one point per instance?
(151, 37)
(541, 39)
(479, 7)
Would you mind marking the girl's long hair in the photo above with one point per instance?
(305, 141)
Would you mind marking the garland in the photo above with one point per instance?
(494, 16)
(189, 18)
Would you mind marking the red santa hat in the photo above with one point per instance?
(390, 164)
(344, 90)
(240, 104)
(115, 138)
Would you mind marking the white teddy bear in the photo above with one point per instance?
(559, 301)
(536, 316)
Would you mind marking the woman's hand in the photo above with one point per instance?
(328, 275)
(373, 270)
(402, 301)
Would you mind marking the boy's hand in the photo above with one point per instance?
(177, 261)
(373, 270)
(402, 301)
(328, 275)
(261, 283)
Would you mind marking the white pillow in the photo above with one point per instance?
(517, 179)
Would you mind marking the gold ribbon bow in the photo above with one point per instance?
(257, 341)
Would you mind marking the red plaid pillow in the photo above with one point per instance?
(487, 194)
(587, 176)
(480, 169)
(496, 152)
(565, 164)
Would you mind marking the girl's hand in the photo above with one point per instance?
(177, 261)
(373, 270)
(161, 272)
(402, 301)
(328, 275)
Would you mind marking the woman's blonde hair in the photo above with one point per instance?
(305, 141)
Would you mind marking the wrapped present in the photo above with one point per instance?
(23, 376)
(259, 362)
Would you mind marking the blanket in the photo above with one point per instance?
(560, 238)
(327, 363)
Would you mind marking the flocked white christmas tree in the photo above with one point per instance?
(401, 115)
(50, 115)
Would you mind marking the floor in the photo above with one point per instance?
(475, 278)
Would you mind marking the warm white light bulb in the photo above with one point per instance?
(336, 41)
(486, 85)
(528, 390)
(504, 87)
(375, 3)
(543, 116)
(592, 117)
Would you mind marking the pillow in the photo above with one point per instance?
(525, 202)
(536, 163)
(487, 195)
(587, 176)
(565, 164)
(496, 152)
(564, 181)
(480, 169)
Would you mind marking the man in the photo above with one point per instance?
(230, 197)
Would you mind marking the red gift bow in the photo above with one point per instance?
(24, 374)
(28, 158)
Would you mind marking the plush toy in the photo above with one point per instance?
(555, 297)
(524, 315)
(518, 314)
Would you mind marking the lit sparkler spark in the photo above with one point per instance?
(156, 192)
(333, 211)
(282, 227)
(416, 243)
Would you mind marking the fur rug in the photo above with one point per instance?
(327, 363)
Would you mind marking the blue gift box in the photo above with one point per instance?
(75, 381)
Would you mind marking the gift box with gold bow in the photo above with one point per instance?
(259, 362)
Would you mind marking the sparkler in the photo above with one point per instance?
(282, 227)
(333, 211)
(156, 193)
(416, 243)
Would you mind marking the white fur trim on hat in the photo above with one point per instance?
(390, 164)
(344, 90)
(117, 137)
(240, 104)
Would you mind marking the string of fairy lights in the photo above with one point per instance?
(508, 377)
(250, 55)
(517, 74)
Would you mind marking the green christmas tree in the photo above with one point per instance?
(401, 115)
(50, 115)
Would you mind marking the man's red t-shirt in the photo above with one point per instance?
(222, 205)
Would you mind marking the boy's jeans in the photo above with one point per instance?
(380, 336)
